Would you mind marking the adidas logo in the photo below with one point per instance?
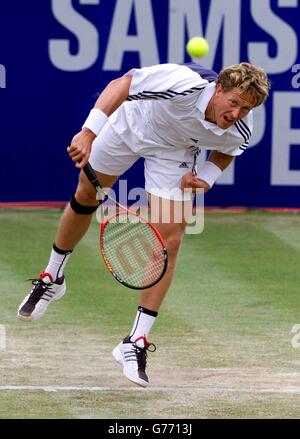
(183, 165)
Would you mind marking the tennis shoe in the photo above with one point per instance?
(44, 292)
(132, 355)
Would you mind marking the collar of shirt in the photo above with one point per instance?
(202, 104)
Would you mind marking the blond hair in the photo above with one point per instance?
(252, 80)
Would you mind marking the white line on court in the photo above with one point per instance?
(280, 390)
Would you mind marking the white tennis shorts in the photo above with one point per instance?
(164, 166)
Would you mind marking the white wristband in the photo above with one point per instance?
(95, 121)
(209, 173)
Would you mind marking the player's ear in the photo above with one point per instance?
(219, 88)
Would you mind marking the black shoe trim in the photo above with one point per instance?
(127, 339)
(40, 288)
(60, 280)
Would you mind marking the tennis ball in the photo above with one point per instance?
(197, 47)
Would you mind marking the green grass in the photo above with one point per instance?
(223, 333)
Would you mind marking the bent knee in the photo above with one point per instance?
(85, 193)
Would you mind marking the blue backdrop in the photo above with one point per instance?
(55, 56)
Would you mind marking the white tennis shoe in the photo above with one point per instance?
(132, 355)
(45, 291)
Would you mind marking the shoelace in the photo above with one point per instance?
(141, 354)
(40, 287)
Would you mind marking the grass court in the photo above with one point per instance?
(224, 335)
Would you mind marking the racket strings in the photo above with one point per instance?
(133, 251)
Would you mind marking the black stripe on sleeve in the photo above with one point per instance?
(244, 146)
(163, 94)
(169, 94)
(242, 131)
(246, 127)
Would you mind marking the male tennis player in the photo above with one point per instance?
(164, 114)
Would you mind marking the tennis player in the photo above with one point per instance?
(165, 114)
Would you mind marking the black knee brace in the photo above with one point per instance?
(79, 208)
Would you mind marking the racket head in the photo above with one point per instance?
(133, 250)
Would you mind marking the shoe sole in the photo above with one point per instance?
(119, 358)
(24, 318)
(31, 318)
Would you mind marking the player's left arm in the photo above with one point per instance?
(217, 162)
(220, 159)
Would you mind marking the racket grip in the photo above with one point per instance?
(89, 172)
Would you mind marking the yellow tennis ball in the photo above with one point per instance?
(197, 47)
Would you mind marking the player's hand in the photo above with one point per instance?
(80, 147)
(189, 181)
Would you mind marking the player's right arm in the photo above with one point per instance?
(164, 81)
(114, 94)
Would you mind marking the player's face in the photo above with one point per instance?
(230, 106)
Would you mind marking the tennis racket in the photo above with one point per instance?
(132, 248)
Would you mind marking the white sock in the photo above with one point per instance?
(57, 262)
(143, 323)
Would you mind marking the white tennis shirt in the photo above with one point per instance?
(166, 110)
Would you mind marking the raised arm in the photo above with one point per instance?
(114, 95)
(109, 100)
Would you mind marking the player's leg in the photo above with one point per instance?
(51, 285)
(170, 211)
(78, 214)
(131, 353)
(171, 223)
(109, 158)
